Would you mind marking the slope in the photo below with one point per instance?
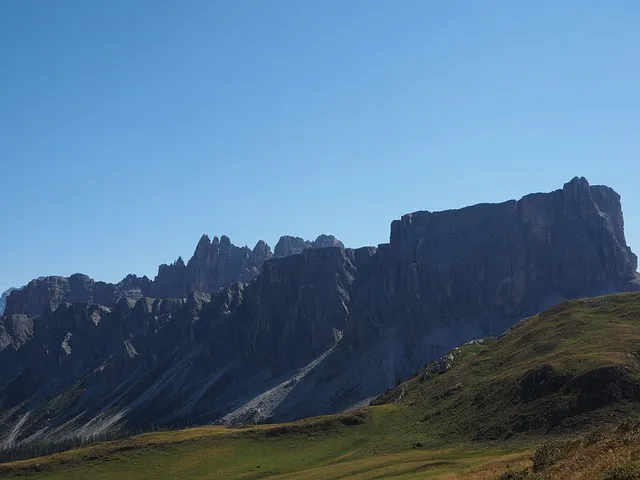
(484, 410)
(568, 367)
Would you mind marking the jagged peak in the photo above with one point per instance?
(577, 181)
(289, 238)
(324, 240)
(291, 245)
(262, 246)
(225, 242)
(204, 241)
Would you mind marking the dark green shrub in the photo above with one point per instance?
(552, 452)
(515, 475)
(630, 471)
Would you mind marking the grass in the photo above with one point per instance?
(540, 402)
(368, 444)
(553, 373)
(608, 453)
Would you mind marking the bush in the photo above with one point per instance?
(630, 471)
(594, 436)
(515, 475)
(551, 453)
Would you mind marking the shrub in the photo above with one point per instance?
(515, 475)
(630, 471)
(552, 452)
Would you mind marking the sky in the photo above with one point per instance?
(129, 129)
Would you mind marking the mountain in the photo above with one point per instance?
(47, 293)
(316, 332)
(3, 299)
(288, 245)
(559, 390)
(214, 265)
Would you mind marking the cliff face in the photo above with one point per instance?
(449, 277)
(214, 265)
(288, 245)
(312, 333)
(46, 293)
(3, 299)
(514, 258)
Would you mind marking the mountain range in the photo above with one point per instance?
(239, 335)
(554, 397)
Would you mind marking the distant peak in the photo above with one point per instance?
(290, 245)
(79, 276)
(577, 182)
(261, 245)
(204, 240)
(327, 241)
(203, 247)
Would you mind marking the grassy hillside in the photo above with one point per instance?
(374, 443)
(570, 367)
(542, 401)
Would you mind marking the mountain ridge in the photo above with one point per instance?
(215, 264)
(315, 332)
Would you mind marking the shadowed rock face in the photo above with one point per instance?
(312, 333)
(3, 299)
(288, 245)
(214, 265)
(46, 293)
(514, 258)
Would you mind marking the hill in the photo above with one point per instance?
(554, 397)
(566, 368)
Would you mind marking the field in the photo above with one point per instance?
(556, 397)
(374, 443)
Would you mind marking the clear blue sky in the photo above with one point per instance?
(129, 128)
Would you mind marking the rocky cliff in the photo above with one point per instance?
(315, 332)
(46, 293)
(288, 245)
(214, 265)
(3, 299)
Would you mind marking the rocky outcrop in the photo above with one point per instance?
(215, 264)
(46, 293)
(288, 245)
(316, 332)
(511, 259)
(3, 299)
